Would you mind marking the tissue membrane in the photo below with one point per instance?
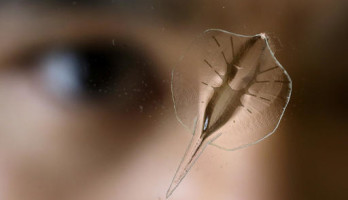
(234, 84)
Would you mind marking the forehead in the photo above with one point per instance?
(30, 27)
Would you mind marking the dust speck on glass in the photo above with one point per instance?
(229, 91)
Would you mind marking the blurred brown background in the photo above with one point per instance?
(309, 152)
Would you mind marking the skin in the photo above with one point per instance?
(53, 149)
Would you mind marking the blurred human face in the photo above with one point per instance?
(86, 109)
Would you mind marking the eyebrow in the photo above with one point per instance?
(21, 33)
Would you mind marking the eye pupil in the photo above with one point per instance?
(99, 71)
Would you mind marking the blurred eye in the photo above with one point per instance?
(116, 75)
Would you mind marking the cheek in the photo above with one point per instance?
(35, 129)
(49, 146)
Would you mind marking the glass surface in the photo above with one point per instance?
(87, 89)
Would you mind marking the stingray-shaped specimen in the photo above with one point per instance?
(230, 91)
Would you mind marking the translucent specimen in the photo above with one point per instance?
(230, 91)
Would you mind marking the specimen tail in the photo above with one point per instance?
(194, 150)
